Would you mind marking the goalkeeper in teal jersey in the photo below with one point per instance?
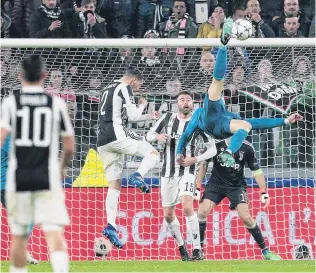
(4, 168)
(214, 119)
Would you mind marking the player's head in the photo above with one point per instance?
(133, 77)
(32, 71)
(253, 7)
(185, 102)
(291, 25)
(50, 3)
(179, 8)
(291, 7)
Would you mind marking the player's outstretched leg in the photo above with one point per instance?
(227, 30)
(148, 162)
(29, 258)
(254, 230)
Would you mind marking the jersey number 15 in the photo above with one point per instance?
(42, 127)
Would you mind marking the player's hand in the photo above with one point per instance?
(143, 101)
(294, 117)
(91, 19)
(179, 158)
(265, 199)
(188, 161)
(54, 25)
(162, 138)
(197, 194)
(155, 115)
(256, 17)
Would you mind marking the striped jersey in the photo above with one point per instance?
(113, 117)
(35, 121)
(172, 125)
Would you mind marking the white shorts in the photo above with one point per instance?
(172, 188)
(45, 208)
(112, 155)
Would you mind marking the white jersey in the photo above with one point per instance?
(113, 117)
(172, 125)
(35, 120)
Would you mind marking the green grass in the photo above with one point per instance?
(178, 266)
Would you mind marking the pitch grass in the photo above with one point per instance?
(178, 266)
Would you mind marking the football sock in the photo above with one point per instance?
(30, 230)
(148, 162)
(193, 228)
(237, 140)
(59, 261)
(265, 123)
(257, 235)
(202, 226)
(174, 229)
(111, 205)
(220, 64)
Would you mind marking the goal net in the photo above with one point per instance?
(265, 78)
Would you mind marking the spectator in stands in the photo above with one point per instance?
(291, 28)
(180, 24)
(55, 85)
(291, 8)
(213, 27)
(239, 13)
(49, 21)
(87, 24)
(21, 14)
(270, 9)
(74, 5)
(261, 28)
(5, 25)
(120, 16)
(207, 63)
(312, 29)
(150, 13)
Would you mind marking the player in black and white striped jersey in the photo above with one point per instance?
(115, 140)
(178, 182)
(34, 193)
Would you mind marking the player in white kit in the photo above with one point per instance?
(34, 192)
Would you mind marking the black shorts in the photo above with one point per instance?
(3, 198)
(216, 193)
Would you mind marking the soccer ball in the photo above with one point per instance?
(242, 29)
(102, 247)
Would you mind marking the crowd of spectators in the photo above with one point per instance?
(79, 74)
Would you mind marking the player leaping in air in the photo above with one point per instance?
(215, 120)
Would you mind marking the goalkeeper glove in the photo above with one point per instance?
(264, 197)
(197, 194)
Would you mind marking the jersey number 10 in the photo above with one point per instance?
(42, 127)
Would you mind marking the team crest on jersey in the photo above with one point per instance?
(241, 155)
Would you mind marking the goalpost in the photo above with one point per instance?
(265, 78)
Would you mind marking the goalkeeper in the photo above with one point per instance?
(4, 168)
(231, 183)
(215, 120)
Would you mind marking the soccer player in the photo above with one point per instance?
(178, 182)
(4, 167)
(230, 182)
(215, 120)
(115, 140)
(34, 193)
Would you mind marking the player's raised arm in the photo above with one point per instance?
(253, 165)
(155, 131)
(188, 133)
